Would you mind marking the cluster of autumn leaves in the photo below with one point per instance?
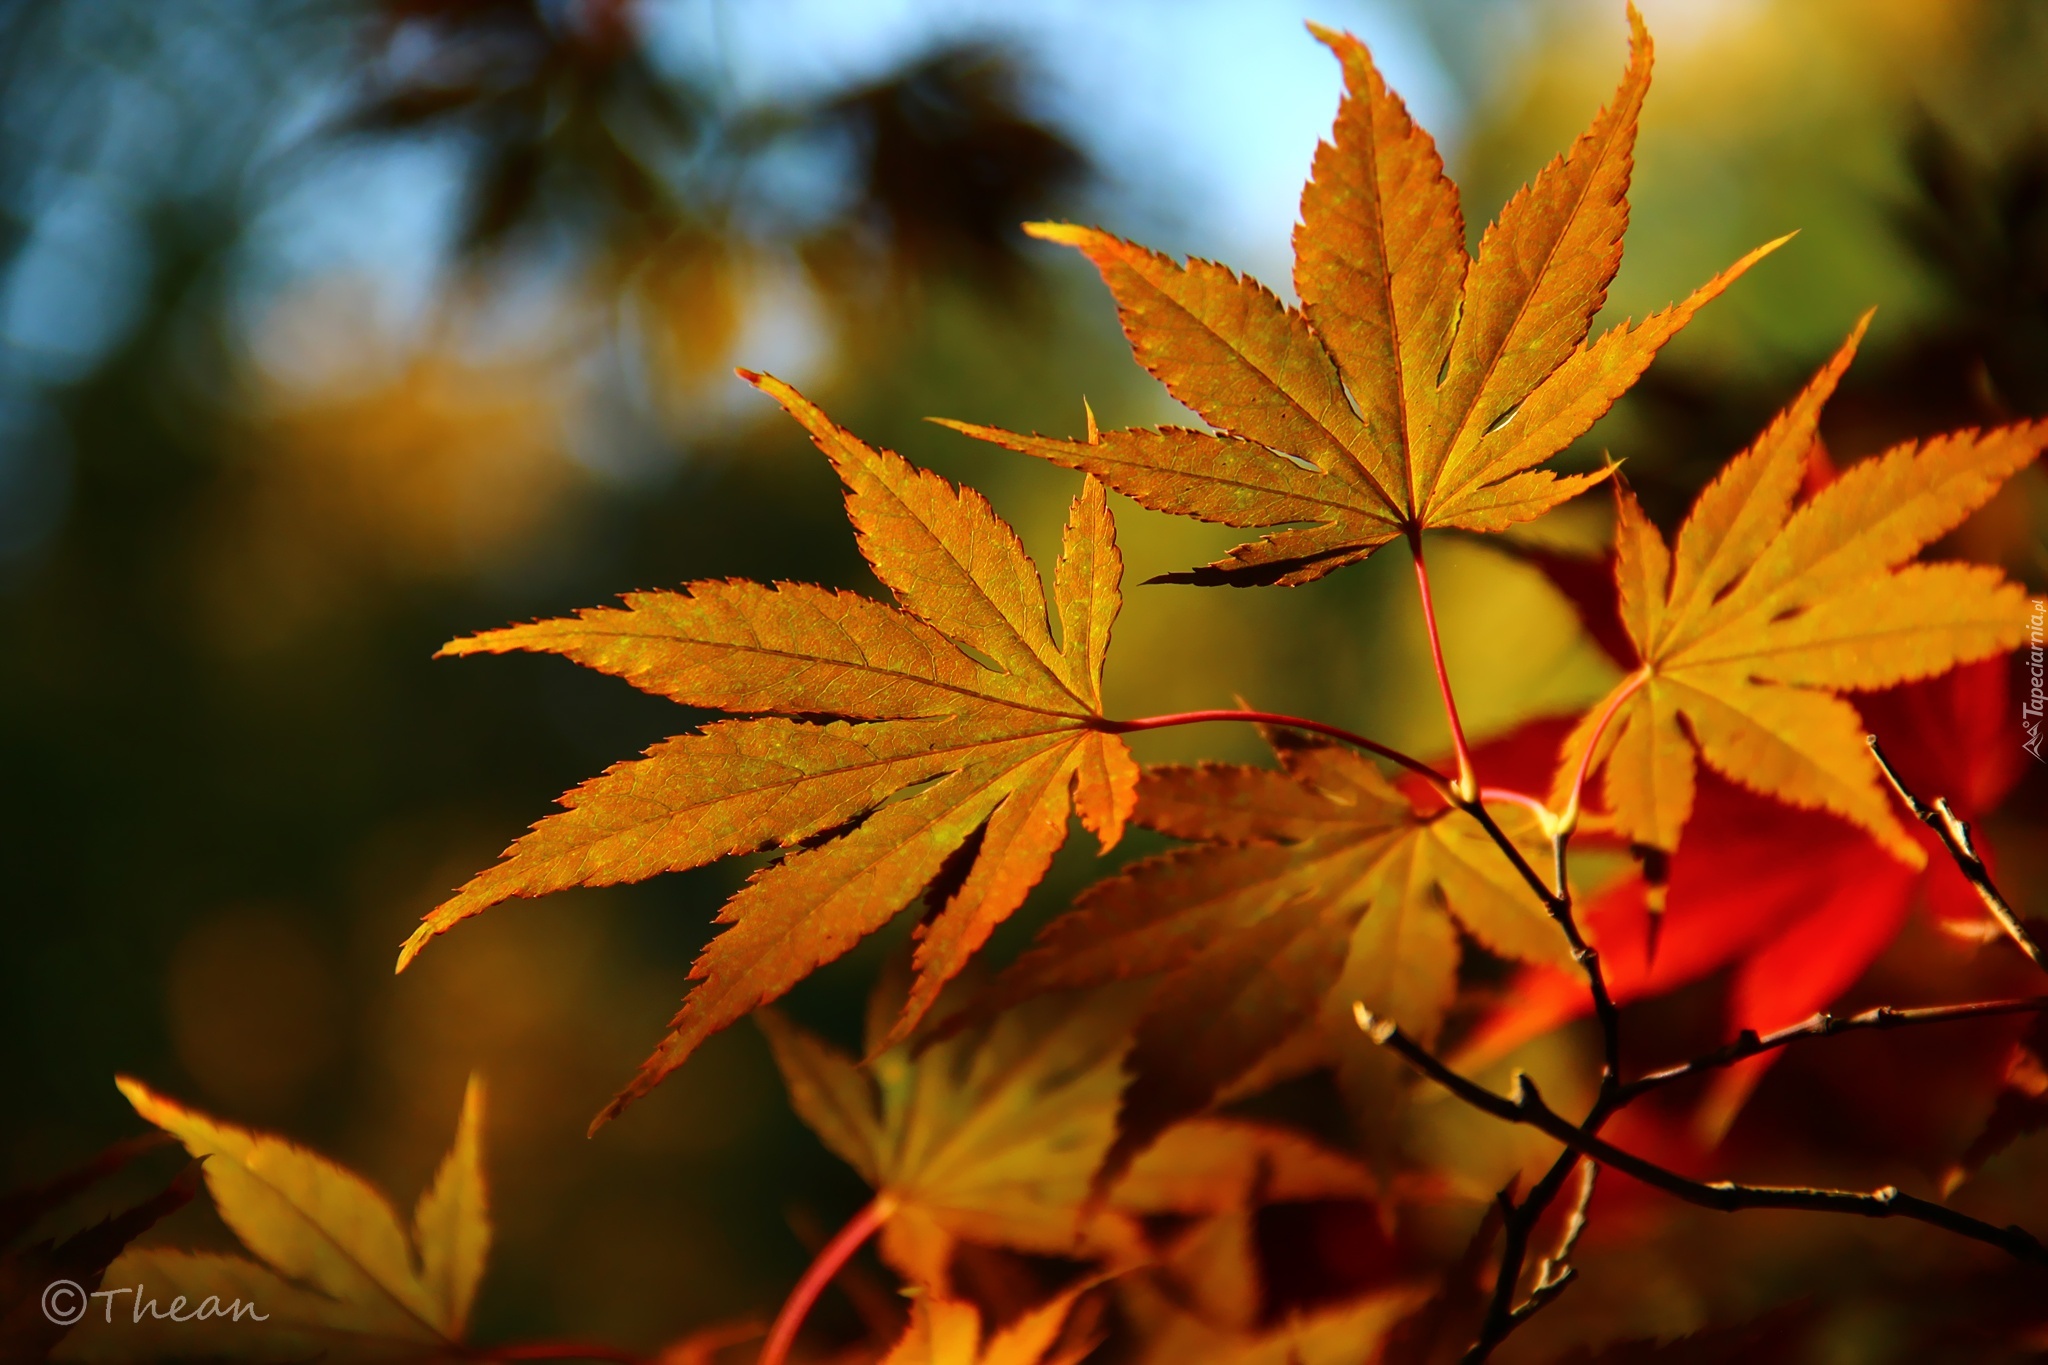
(936, 747)
(992, 1137)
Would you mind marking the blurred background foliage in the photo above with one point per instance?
(331, 329)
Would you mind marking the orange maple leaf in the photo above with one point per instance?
(1003, 751)
(1308, 889)
(1763, 609)
(1416, 386)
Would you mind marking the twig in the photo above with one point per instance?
(1526, 1106)
(1556, 1268)
(1554, 901)
(1520, 1220)
(1554, 1273)
(1955, 836)
(1500, 1312)
(1748, 1043)
(1558, 903)
(836, 1254)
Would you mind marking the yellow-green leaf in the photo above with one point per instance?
(334, 1276)
(1768, 609)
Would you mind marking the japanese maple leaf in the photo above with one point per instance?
(1795, 904)
(1005, 748)
(337, 1277)
(1416, 386)
(993, 1135)
(1308, 888)
(987, 1136)
(1763, 609)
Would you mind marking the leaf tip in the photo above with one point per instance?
(1066, 234)
(780, 390)
(613, 1107)
(1638, 32)
(1335, 39)
(410, 949)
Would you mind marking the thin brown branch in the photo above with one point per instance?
(1558, 1264)
(1558, 904)
(1553, 1275)
(1955, 837)
(1500, 1315)
(1526, 1106)
(1553, 901)
(1749, 1043)
(1555, 1272)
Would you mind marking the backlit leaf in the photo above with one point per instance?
(1308, 888)
(994, 1134)
(1766, 609)
(929, 745)
(1416, 386)
(1794, 906)
(334, 1276)
(990, 1135)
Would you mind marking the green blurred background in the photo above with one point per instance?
(329, 331)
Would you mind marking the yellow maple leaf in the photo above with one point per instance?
(335, 1275)
(995, 1133)
(991, 1135)
(1764, 609)
(1416, 386)
(1006, 751)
